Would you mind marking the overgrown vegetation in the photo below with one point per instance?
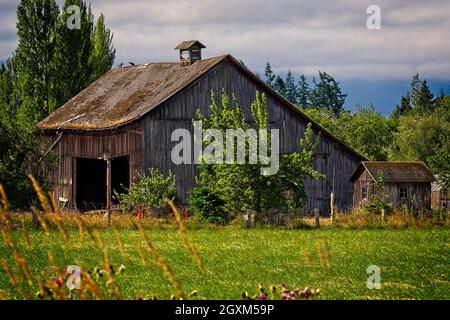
(208, 206)
(148, 193)
(242, 186)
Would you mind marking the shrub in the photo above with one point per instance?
(21, 152)
(149, 192)
(378, 205)
(208, 206)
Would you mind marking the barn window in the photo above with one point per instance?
(403, 192)
(364, 192)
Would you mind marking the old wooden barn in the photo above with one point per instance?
(121, 125)
(399, 183)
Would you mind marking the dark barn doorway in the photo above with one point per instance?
(120, 176)
(91, 184)
(91, 181)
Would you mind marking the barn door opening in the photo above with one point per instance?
(120, 176)
(90, 184)
(91, 181)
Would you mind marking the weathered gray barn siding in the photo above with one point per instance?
(333, 160)
(126, 141)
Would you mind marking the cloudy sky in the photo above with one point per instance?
(304, 36)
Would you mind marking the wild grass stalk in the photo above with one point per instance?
(122, 251)
(4, 199)
(26, 236)
(41, 195)
(161, 261)
(182, 231)
(324, 253)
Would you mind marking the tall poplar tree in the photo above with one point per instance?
(73, 49)
(36, 24)
(103, 52)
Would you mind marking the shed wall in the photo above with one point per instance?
(419, 193)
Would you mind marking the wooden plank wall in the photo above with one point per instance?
(364, 180)
(95, 145)
(332, 158)
(419, 194)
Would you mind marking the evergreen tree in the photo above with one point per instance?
(441, 94)
(72, 54)
(422, 99)
(279, 85)
(36, 24)
(327, 94)
(270, 76)
(290, 92)
(103, 53)
(415, 89)
(303, 92)
(425, 102)
(403, 108)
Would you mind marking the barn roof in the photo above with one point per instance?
(123, 95)
(394, 171)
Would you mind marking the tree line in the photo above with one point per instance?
(418, 129)
(51, 64)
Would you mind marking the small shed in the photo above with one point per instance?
(440, 196)
(399, 183)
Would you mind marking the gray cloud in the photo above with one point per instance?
(302, 35)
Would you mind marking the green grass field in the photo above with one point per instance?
(415, 264)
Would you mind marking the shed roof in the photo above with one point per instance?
(187, 44)
(395, 171)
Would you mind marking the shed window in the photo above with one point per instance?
(364, 192)
(403, 192)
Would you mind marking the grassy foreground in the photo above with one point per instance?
(415, 263)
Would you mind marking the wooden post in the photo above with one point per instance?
(249, 219)
(317, 217)
(108, 190)
(332, 207)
